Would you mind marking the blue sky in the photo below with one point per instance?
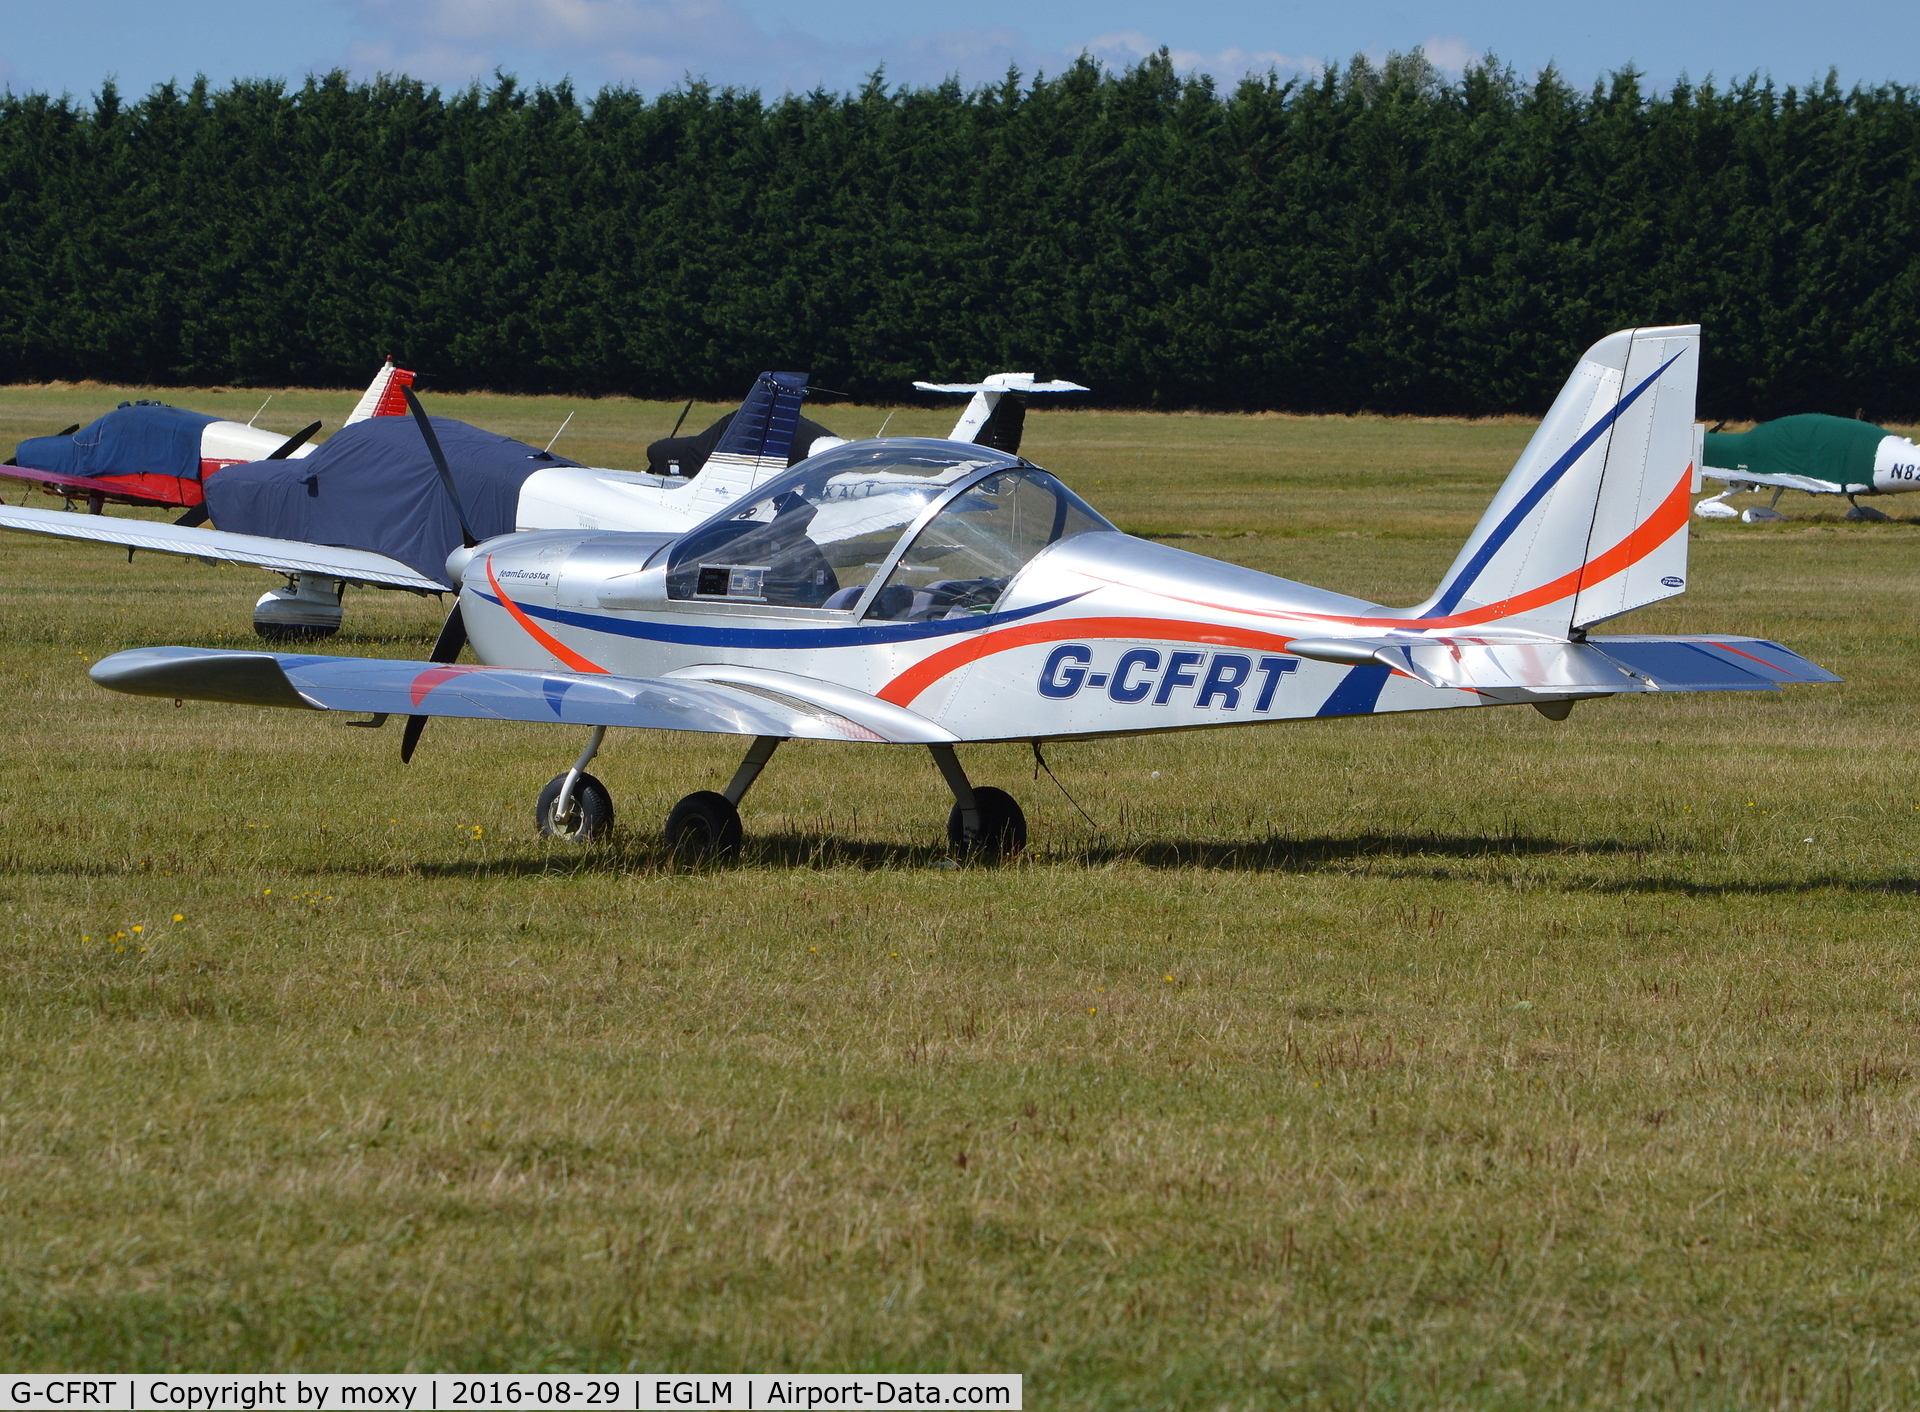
(776, 45)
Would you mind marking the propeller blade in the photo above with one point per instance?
(683, 416)
(410, 737)
(440, 465)
(446, 648)
(196, 516)
(69, 431)
(293, 443)
(453, 637)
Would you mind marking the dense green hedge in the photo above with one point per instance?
(1372, 239)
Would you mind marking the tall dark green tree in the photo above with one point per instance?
(1375, 237)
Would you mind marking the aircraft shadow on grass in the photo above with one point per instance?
(1389, 857)
(827, 849)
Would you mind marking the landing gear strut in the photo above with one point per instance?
(575, 806)
(985, 822)
(707, 825)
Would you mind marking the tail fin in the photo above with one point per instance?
(384, 396)
(997, 415)
(755, 445)
(1592, 521)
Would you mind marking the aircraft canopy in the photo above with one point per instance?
(135, 439)
(817, 536)
(1814, 445)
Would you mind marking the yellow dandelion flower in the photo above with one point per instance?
(137, 927)
(179, 916)
(1091, 1010)
(1169, 977)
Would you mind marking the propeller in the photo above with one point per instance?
(439, 464)
(453, 632)
(293, 443)
(446, 648)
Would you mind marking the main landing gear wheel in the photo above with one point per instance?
(589, 812)
(704, 826)
(1003, 828)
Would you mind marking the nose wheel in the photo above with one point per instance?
(576, 807)
(586, 813)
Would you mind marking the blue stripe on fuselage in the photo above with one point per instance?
(1456, 590)
(1358, 692)
(783, 639)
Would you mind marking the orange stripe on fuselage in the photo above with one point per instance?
(917, 678)
(1654, 531)
(537, 633)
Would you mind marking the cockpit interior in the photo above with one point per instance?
(904, 530)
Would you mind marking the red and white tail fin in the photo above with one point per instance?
(383, 397)
(1592, 520)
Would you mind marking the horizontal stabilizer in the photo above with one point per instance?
(381, 686)
(1596, 666)
(1003, 382)
(1711, 663)
(285, 556)
(1809, 484)
(996, 416)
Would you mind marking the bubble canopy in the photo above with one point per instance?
(942, 527)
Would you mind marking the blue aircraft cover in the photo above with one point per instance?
(135, 439)
(372, 486)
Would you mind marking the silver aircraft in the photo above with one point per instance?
(934, 594)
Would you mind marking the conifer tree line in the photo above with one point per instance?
(1371, 238)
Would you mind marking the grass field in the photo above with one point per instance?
(1465, 1060)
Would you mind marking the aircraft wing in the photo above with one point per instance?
(382, 686)
(109, 488)
(1806, 483)
(283, 555)
(1596, 666)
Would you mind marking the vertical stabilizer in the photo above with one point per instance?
(996, 415)
(756, 443)
(385, 395)
(1592, 520)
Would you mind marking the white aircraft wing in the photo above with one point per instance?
(385, 687)
(1806, 483)
(286, 556)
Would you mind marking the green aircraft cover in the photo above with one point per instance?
(1836, 449)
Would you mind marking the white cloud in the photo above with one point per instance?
(1450, 54)
(652, 43)
(1124, 47)
(655, 44)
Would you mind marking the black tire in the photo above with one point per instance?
(704, 826)
(589, 814)
(1003, 828)
(294, 632)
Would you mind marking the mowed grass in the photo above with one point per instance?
(1458, 1060)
